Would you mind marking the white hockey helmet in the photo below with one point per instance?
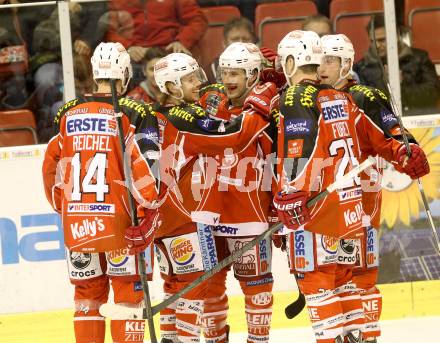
(173, 67)
(111, 61)
(303, 46)
(240, 55)
(340, 46)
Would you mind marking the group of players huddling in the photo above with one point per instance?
(214, 167)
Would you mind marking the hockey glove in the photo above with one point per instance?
(259, 99)
(272, 217)
(271, 75)
(415, 166)
(138, 238)
(292, 209)
(269, 55)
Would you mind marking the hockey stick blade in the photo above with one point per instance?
(296, 307)
(120, 312)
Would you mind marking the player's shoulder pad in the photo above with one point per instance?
(363, 93)
(299, 96)
(214, 87)
(67, 106)
(184, 113)
(135, 108)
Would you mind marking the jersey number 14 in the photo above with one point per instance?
(96, 169)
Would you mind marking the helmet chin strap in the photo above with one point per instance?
(288, 76)
(249, 87)
(342, 77)
(178, 97)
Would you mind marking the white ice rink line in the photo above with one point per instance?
(410, 330)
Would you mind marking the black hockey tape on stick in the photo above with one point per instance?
(296, 307)
(120, 312)
(406, 141)
(134, 220)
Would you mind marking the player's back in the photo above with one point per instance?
(93, 194)
(317, 139)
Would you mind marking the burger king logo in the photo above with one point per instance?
(330, 244)
(182, 251)
(118, 257)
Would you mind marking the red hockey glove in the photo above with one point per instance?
(269, 55)
(292, 209)
(271, 75)
(259, 98)
(138, 238)
(416, 166)
(272, 217)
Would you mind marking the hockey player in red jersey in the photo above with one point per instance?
(320, 136)
(184, 241)
(84, 182)
(240, 181)
(336, 70)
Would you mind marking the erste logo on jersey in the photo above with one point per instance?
(182, 251)
(297, 126)
(91, 123)
(118, 257)
(334, 110)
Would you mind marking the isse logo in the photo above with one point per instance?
(182, 251)
(300, 252)
(80, 260)
(329, 244)
(118, 257)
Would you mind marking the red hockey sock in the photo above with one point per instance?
(89, 327)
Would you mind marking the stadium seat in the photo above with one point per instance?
(17, 127)
(423, 16)
(274, 20)
(211, 44)
(351, 17)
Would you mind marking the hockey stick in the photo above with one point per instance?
(296, 307)
(398, 115)
(134, 220)
(119, 312)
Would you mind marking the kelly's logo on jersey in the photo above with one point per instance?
(87, 227)
(334, 111)
(297, 126)
(91, 124)
(118, 257)
(182, 251)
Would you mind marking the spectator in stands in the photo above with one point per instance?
(235, 30)
(319, 24)
(13, 62)
(323, 7)
(148, 91)
(420, 87)
(48, 77)
(176, 26)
